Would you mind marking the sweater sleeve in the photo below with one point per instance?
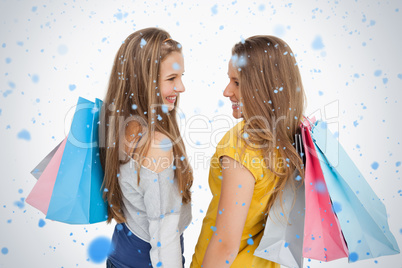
(163, 204)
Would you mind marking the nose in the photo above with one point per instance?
(228, 92)
(179, 87)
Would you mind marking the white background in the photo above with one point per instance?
(46, 46)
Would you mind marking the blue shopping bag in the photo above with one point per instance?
(77, 193)
(361, 214)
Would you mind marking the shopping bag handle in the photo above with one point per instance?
(311, 123)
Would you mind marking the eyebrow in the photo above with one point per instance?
(234, 78)
(172, 74)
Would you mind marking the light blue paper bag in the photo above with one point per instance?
(361, 214)
(77, 193)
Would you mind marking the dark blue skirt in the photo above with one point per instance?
(129, 251)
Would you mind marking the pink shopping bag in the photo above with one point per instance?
(323, 238)
(40, 195)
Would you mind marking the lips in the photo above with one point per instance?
(171, 99)
(235, 104)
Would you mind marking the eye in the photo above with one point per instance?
(237, 83)
(172, 78)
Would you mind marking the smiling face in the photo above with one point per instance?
(171, 84)
(232, 91)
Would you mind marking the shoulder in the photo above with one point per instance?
(161, 145)
(238, 139)
(235, 146)
(234, 141)
(159, 137)
(232, 137)
(160, 153)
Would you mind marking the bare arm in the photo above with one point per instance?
(236, 193)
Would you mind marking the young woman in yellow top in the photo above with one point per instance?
(256, 158)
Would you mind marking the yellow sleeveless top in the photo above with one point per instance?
(231, 145)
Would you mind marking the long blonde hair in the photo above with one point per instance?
(134, 99)
(273, 100)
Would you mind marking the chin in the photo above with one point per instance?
(237, 115)
(170, 107)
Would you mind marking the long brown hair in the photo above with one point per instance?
(133, 111)
(273, 100)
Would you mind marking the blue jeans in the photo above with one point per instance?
(109, 264)
(129, 251)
